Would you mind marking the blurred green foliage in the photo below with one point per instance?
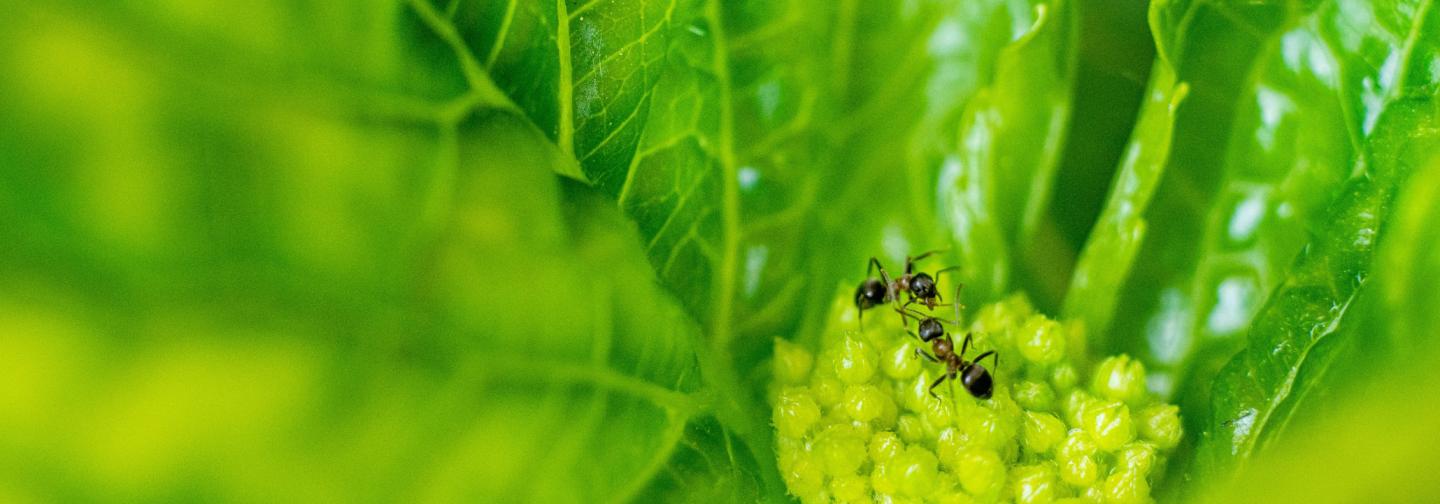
(531, 251)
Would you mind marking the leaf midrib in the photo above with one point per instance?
(564, 93)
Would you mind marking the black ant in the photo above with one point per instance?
(920, 286)
(972, 375)
(929, 327)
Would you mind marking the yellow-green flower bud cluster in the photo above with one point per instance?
(856, 422)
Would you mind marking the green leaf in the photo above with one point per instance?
(1256, 394)
(1115, 54)
(1374, 374)
(1329, 460)
(1284, 116)
(1109, 255)
(740, 107)
(304, 271)
(1240, 180)
(731, 121)
(994, 182)
(633, 91)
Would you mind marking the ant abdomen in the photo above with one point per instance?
(977, 381)
(870, 293)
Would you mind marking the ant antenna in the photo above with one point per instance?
(950, 270)
(955, 302)
(918, 258)
(908, 312)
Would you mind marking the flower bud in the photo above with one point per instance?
(1119, 378)
(1160, 424)
(795, 412)
(855, 363)
(792, 363)
(1042, 432)
(900, 362)
(1041, 341)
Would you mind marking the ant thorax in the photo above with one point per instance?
(944, 349)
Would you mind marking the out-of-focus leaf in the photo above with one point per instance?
(1256, 394)
(250, 261)
(1373, 374)
(1239, 165)
(707, 466)
(1115, 55)
(950, 139)
(1110, 253)
(1376, 447)
(1280, 111)
(1409, 266)
(994, 183)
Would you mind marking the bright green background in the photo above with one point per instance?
(484, 250)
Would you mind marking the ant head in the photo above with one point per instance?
(943, 347)
(930, 329)
(871, 292)
(922, 286)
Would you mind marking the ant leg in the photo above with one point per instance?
(937, 383)
(937, 281)
(908, 314)
(906, 311)
(926, 355)
(890, 294)
(994, 358)
(874, 265)
(917, 336)
(965, 345)
(994, 361)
